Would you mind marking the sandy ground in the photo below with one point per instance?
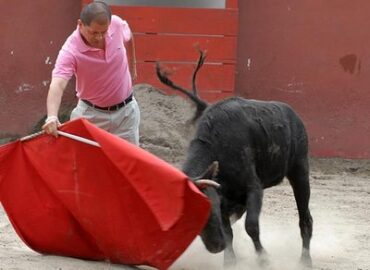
(339, 204)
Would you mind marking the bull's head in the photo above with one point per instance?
(213, 234)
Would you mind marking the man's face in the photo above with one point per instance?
(94, 33)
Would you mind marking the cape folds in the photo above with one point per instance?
(115, 202)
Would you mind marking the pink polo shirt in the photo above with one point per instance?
(102, 76)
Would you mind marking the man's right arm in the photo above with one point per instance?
(53, 102)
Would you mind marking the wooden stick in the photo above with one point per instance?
(78, 138)
(31, 136)
(65, 134)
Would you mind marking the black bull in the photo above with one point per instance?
(254, 144)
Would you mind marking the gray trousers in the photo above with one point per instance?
(124, 122)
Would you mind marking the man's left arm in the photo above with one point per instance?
(131, 57)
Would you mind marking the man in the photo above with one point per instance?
(96, 54)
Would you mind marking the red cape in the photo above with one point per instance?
(116, 202)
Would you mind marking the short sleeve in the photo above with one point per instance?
(126, 31)
(123, 27)
(65, 65)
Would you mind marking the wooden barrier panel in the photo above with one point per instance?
(232, 4)
(172, 36)
(184, 48)
(195, 21)
(210, 78)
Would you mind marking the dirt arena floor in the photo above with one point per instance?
(340, 203)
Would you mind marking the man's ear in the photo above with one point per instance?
(79, 23)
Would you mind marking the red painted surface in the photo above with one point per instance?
(162, 34)
(231, 3)
(180, 20)
(313, 55)
(210, 78)
(175, 48)
(32, 33)
(172, 36)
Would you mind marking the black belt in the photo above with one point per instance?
(110, 108)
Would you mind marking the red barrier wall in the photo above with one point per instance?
(31, 35)
(172, 36)
(313, 55)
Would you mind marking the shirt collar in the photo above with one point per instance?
(83, 47)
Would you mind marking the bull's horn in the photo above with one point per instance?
(203, 183)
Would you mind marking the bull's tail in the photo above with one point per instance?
(201, 105)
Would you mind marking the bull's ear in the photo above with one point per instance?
(211, 172)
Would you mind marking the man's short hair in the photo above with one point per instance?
(96, 11)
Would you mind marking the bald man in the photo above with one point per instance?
(100, 53)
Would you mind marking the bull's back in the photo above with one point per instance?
(267, 135)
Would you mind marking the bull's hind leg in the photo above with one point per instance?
(254, 205)
(299, 179)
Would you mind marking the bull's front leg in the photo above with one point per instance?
(229, 254)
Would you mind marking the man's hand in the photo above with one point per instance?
(51, 125)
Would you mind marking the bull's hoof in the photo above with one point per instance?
(263, 259)
(306, 260)
(229, 260)
(230, 264)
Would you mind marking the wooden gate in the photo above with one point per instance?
(172, 36)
